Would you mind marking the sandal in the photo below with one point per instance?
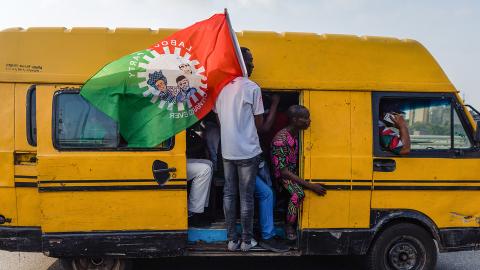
(290, 233)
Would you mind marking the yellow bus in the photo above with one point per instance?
(95, 201)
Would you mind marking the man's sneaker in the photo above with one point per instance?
(233, 245)
(246, 246)
(274, 244)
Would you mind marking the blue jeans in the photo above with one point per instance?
(239, 180)
(266, 200)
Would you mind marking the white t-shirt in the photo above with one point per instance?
(236, 106)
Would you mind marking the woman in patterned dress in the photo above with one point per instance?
(284, 153)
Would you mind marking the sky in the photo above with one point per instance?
(448, 29)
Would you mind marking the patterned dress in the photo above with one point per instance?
(284, 151)
(389, 139)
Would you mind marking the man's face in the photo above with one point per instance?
(183, 84)
(186, 68)
(303, 121)
(161, 85)
(248, 59)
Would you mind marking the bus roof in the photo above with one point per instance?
(282, 60)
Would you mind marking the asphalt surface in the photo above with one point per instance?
(467, 260)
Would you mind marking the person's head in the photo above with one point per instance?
(161, 85)
(248, 59)
(157, 80)
(182, 83)
(298, 117)
(185, 68)
(391, 108)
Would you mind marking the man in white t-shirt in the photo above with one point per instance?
(240, 112)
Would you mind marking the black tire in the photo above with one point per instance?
(402, 246)
(95, 264)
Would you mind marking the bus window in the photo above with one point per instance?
(433, 124)
(32, 116)
(79, 125)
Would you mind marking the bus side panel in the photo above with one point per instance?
(112, 210)
(11, 237)
(28, 201)
(328, 145)
(338, 145)
(25, 165)
(447, 208)
(8, 207)
(361, 133)
(329, 149)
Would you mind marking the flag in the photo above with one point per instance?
(155, 93)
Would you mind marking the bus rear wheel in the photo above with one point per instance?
(403, 246)
(98, 263)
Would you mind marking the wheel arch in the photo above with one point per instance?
(382, 219)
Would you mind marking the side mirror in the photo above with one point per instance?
(476, 136)
(161, 172)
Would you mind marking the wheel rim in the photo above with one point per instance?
(405, 253)
(96, 264)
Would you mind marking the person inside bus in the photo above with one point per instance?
(199, 172)
(284, 154)
(390, 140)
(264, 191)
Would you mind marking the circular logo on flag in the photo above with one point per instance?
(173, 80)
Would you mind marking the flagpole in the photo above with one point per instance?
(238, 52)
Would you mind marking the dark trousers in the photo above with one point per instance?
(239, 179)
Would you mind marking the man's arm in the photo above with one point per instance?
(264, 126)
(258, 122)
(404, 135)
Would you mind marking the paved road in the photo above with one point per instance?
(24, 261)
(468, 260)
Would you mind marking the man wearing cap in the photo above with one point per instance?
(391, 117)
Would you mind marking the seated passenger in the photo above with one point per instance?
(285, 163)
(199, 172)
(390, 140)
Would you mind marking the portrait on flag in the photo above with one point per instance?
(171, 81)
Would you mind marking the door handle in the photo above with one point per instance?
(4, 220)
(384, 165)
(161, 172)
(173, 169)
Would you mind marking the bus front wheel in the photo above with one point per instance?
(402, 246)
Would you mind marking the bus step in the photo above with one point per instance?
(220, 249)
